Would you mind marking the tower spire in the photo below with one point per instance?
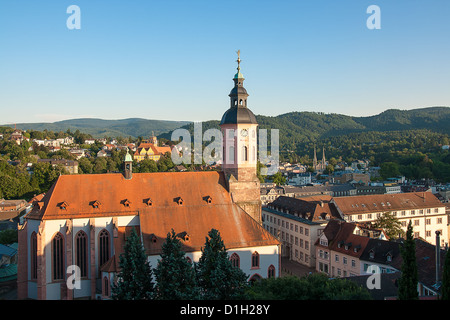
(238, 60)
(239, 75)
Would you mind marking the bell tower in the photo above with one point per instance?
(239, 130)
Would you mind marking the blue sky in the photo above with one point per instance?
(175, 60)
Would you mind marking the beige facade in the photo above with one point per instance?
(296, 234)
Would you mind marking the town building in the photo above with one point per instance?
(342, 250)
(10, 212)
(426, 212)
(71, 166)
(17, 136)
(149, 149)
(297, 224)
(84, 220)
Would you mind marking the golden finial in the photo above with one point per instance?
(238, 59)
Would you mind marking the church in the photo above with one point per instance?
(84, 220)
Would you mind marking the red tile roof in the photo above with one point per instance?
(386, 202)
(195, 216)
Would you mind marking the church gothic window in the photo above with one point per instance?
(58, 257)
(235, 260)
(271, 272)
(81, 252)
(33, 254)
(103, 247)
(255, 260)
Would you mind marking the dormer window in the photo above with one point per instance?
(153, 238)
(184, 236)
(371, 254)
(388, 257)
(348, 245)
(126, 203)
(96, 204)
(208, 199)
(148, 202)
(63, 205)
(179, 201)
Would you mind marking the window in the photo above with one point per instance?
(33, 254)
(344, 260)
(105, 287)
(255, 260)
(235, 260)
(103, 256)
(439, 220)
(271, 272)
(81, 252)
(244, 153)
(58, 257)
(416, 222)
(231, 154)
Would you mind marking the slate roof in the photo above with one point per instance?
(314, 210)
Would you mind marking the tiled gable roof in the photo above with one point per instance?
(386, 202)
(194, 214)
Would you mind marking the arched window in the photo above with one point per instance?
(58, 257)
(81, 252)
(105, 286)
(240, 102)
(33, 255)
(255, 278)
(271, 271)
(103, 242)
(235, 260)
(244, 153)
(255, 260)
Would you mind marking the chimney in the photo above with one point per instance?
(438, 255)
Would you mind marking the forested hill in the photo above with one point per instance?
(303, 127)
(295, 127)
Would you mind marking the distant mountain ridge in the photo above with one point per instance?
(295, 127)
(100, 128)
(306, 126)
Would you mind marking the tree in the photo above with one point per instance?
(135, 277)
(389, 170)
(407, 289)
(175, 276)
(278, 178)
(445, 291)
(218, 278)
(390, 224)
(316, 286)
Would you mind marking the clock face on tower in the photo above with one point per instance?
(244, 132)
